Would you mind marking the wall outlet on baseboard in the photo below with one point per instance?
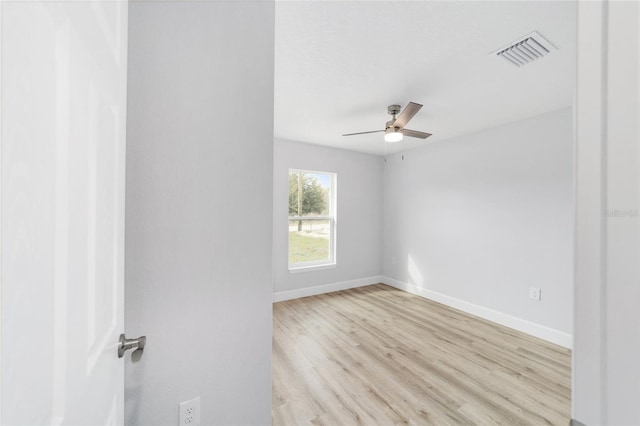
(535, 293)
(190, 412)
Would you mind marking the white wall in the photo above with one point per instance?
(199, 206)
(359, 217)
(481, 218)
(606, 375)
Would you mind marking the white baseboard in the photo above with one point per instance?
(549, 334)
(325, 288)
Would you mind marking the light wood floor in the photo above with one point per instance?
(379, 356)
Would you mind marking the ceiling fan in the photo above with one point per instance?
(394, 129)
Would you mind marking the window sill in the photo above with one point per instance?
(299, 269)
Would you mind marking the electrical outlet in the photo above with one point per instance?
(190, 412)
(535, 293)
(394, 260)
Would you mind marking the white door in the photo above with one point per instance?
(62, 205)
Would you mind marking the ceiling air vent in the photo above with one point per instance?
(526, 49)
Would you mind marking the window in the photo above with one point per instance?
(312, 219)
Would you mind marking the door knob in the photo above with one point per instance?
(125, 344)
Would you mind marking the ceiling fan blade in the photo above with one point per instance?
(415, 134)
(407, 114)
(363, 133)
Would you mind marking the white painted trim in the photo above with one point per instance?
(325, 288)
(310, 268)
(549, 334)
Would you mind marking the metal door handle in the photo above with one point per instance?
(125, 344)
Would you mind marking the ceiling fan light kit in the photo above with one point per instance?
(394, 130)
(392, 135)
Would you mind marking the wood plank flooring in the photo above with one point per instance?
(380, 356)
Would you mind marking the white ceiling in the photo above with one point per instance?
(338, 64)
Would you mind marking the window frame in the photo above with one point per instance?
(331, 217)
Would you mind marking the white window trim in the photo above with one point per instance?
(310, 268)
(332, 218)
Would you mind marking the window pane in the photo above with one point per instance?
(309, 240)
(316, 193)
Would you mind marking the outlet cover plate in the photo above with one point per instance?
(190, 412)
(535, 293)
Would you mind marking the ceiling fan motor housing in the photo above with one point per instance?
(389, 124)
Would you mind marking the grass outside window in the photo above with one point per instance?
(311, 243)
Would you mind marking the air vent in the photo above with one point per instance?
(526, 49)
